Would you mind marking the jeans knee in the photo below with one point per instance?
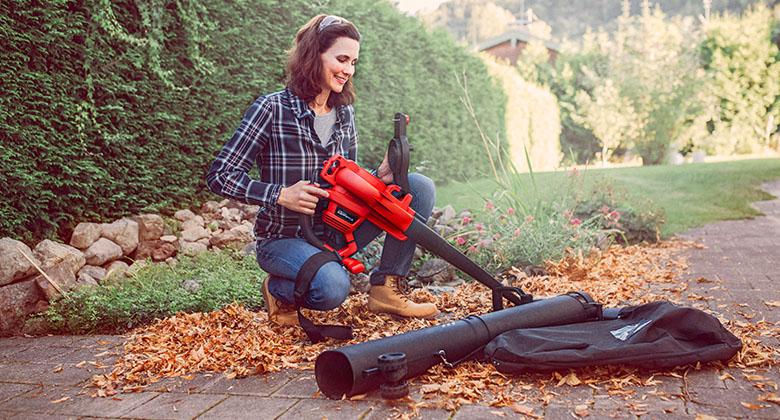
(424, 193)
(329, 288)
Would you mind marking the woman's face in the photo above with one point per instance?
(338, 63)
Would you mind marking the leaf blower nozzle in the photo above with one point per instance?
(359, 368)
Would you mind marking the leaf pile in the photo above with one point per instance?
(238, 342)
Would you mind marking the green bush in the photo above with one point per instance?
(158, 291)
(116, 108)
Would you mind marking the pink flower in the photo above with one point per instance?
(478, 227)
(517, 233)
(472, 249)
(614, 215)
(460, 241)
(466, 220)
(489, 205)
(510, 211)
(574, 173)
(529, 219)
(497, 236)
(575, 222)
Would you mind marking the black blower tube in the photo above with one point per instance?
(352, 370)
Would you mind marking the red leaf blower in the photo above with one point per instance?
(357, 196)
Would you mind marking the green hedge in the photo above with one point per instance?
(114, 107)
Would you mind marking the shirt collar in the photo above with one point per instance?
(301, 109)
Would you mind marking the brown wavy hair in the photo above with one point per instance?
(304, 66)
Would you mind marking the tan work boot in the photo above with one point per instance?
(391, 298)
(279, 313)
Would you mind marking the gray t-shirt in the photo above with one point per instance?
(324, 124)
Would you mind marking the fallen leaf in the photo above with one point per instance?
(705, 417)
(751, 406)
(772, 304)
(63, 399)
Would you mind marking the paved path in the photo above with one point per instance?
(44, 377)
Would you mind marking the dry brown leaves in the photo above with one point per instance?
(238, 342)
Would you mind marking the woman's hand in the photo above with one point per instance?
(384, 173)
(301, 197)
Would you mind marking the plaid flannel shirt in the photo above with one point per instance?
(277, 134)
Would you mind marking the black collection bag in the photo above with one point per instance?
(656, 335)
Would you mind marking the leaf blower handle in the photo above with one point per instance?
(398, 153)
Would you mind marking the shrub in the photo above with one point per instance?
(117, 108)
(214, 279)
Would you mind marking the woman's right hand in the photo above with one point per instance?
(301, 197)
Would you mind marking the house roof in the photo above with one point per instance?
(517, 34)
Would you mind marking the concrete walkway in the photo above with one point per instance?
(44, 377)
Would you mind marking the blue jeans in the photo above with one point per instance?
(282, 258)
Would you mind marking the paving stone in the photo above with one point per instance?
(105, 341)
(200, 383)
(327, 409)
(470, 411)
(38, 354)
(304, 386)
(705, 378)
(49, 374)
(73, 401)
(561, 412)
(8, 391)
(248, 407)
(259, 385)
(175, 406)
(382, 410)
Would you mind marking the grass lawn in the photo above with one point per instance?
(691, 194)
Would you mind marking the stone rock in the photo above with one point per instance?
(116, 269)
(698, 156)
(192, 235)
(85, 234)
(91, 272)
(209, 207)
(13, 265)
(250, 249)
(435, 270)
(232, 214)
(16, 302)
(102, 251)
(360, 283)
(237, 237)
(193, 222)
(204, 241)
(184, 215)
(157, 250)
(150, 227)
(444, 230)
(190, 285)
(250, 212)
(447, 214)
(169, 238)
(192, 248)
(123, 232)
(438, 290)
(51, 253)
(676, 158)
(164, 251)
(62, 275)
(136, 266)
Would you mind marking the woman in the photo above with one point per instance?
(289, 134)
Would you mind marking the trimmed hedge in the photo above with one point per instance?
(117, 107)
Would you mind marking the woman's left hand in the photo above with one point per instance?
(384, 173)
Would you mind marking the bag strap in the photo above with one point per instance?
(303, 279)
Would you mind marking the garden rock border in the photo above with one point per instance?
(98, 253)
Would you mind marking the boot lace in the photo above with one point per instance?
(401, 285)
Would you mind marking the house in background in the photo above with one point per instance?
(510, 44)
